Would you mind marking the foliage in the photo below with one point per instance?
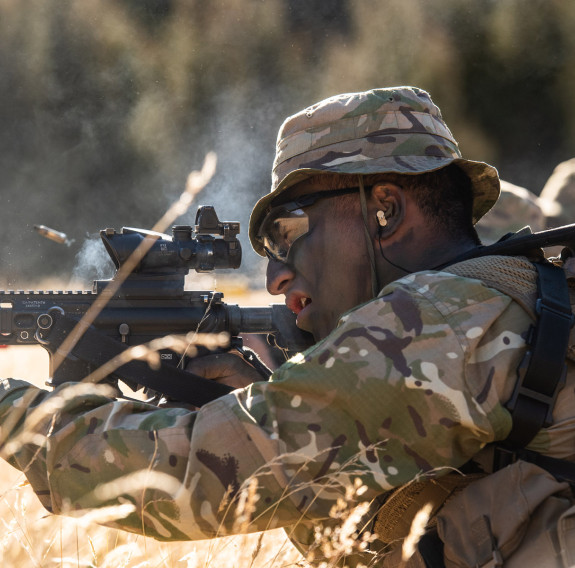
(106, 105)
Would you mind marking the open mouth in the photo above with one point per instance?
(297, 304)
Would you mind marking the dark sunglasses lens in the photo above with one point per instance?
(280, 229)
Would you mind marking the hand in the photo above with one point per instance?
(227, 368)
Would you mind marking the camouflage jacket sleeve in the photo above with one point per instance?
(408, 383)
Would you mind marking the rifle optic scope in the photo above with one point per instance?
(189, 248)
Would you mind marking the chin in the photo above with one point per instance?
(319, 326)
(321, 332)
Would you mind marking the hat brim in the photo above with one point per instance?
(484, 182)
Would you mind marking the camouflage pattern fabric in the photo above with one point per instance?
(558, 195)
(408, 383)
(397, 130)
(515, 209)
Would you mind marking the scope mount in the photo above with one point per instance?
(210, 244)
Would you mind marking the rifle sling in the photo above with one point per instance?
(520, 244)
(97, 348)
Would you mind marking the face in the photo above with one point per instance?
(327, 269)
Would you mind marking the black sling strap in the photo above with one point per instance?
(541, 374)
(96, 348)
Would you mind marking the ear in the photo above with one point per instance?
(387, 208)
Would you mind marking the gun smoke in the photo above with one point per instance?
(92, 263)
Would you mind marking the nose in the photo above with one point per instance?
(278, 277)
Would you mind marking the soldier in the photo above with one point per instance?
(558, 195)
(400, 406)
(516, 208)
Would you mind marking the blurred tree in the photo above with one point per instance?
(109, 118)
(515, 56)
(317, 26)
(151, 13)
(106, 105)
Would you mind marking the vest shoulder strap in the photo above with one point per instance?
(541, 374)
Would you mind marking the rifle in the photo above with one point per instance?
(149, 303)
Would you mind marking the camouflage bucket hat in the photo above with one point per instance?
(557, 197)
(397, 130)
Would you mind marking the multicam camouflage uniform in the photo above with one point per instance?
(410, 382)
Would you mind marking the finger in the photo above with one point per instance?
(209, 366)
(218, 366)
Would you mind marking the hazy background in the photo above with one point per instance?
(106, 105)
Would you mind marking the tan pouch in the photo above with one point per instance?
(509, 518)
(566, 536)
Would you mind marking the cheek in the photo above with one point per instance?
(346, 269)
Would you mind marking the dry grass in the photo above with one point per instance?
(33, 538)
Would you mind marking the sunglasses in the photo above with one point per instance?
(288, 222)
